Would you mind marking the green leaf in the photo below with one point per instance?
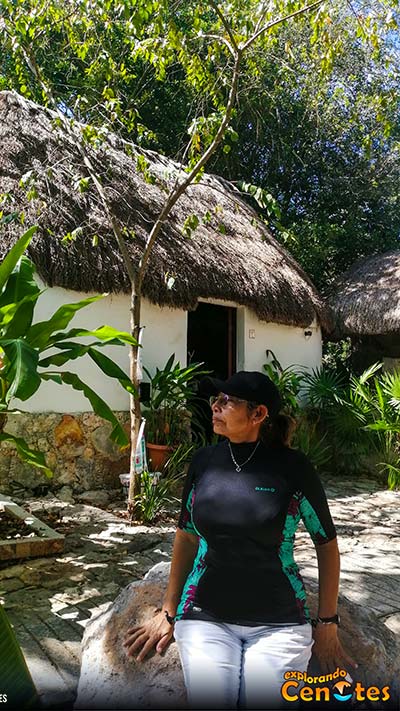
(100, 407)
(20, 283)
(190, 225)
(22, 319)
(21, 370)
(16, 681)
(28, 455)
(104, 333)
(11, 259)
(71, 351)
(8, 312)
(111, 369)
(40, 333)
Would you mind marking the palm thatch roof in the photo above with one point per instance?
(366, 300)
(230, 255)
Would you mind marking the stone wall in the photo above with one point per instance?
(77, 448)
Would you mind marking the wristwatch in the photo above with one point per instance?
(169, 618)
(335, 620)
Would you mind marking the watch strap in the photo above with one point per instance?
(169, 619)
(334, 620)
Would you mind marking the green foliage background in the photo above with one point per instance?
(317, 120)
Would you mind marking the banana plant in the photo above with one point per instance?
(34, 352)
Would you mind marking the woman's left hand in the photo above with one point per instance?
(328, 649)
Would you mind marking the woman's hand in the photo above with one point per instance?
(328, 649)
(156, 632)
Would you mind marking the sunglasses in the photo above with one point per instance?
(223, 400)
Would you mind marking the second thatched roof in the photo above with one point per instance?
(230, 255)
(366, 300)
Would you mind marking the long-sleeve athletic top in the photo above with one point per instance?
(244, 571)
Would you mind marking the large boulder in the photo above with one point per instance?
(374, 647)
(111, 680)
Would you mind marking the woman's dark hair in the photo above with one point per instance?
(276, 430)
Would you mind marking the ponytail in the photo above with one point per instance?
(278, 430)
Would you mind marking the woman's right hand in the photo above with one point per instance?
(156, 632)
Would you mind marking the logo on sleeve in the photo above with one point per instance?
(265, 488)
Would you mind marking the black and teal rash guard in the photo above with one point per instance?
(244, 571)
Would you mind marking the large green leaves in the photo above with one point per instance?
(100, 407)
(111, 369)
(28, 455)
(20, 284)
(11, 259)
(103, 333)
(19, 295)
(72, 351)
(21, 369)
(39, 334)
(22, 345)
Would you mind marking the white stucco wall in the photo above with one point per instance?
(164, 333)
(290, 344)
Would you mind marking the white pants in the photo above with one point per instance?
(228, 666)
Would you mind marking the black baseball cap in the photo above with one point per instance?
(247, 385)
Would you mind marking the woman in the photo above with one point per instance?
(235, 601)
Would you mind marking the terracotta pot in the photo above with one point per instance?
(158, 454)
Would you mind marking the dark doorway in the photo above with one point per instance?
(211, 339)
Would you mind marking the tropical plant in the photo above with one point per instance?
(28, 350)
(157, 490)
(172, 403)
(308, 438)
(361, 419)
(288, 380)
(321, 386)
(291, 384)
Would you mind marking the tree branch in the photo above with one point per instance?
(175, 194)
(222, 39)
(225, 24)
(261, 18)
(267, 27)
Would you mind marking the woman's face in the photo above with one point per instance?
(232, 418)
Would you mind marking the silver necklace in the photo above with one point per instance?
(239, 467)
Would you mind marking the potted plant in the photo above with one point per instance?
(170, 408)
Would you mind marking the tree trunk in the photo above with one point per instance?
(135, 408)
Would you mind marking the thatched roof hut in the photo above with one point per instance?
(230, 255)
(366, 299)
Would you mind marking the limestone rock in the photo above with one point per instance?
(95, 498)
(68, 431)
(144, 541)
(103, 444)
(369, 642)
(65, 494)
(111, 680)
